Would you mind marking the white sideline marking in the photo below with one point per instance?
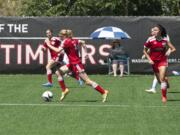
(88, 105)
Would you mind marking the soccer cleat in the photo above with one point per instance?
(164, 100)
(48, 84)
(104, 96)
(80, 82)
(151, 91)
(64, 94)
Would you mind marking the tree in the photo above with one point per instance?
(97, 8)
(89, 7)
(145, 8)
(171, 7)
(34, 7)
(10, 7)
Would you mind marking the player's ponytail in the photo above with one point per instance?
(162, 30)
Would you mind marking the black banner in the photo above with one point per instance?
(21, 38)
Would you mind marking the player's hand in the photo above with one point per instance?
(168, 52)
(43, 48)
(143, 57)
(151, 62)
(47, 41)
(82, 42)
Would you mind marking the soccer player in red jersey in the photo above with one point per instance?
(155, 81)
(63, 64)
(54, 41)
(70, 47)
(160, 48)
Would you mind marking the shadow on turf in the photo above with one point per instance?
(90, 101)
(173, 100)
(79, 87)
(71, 101)
(175, 92)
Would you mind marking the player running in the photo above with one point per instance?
(54, 41)
(155, 81)
(70, 47)
(65, 61)
(160, 48)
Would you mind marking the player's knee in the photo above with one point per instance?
(57, 73)
(91, 83)
(88, 82)
(64, 69)
(94, 84)
(81, 72)
(162, 79)
(47, 67)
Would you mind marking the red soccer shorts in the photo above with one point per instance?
(76, 68)
(158, 64)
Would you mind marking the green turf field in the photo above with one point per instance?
(129, 110)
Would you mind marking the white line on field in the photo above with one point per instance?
(90, 105)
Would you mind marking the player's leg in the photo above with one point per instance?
(49, 67)
(153, 87)
(93, 84)
(60, 72)
(162, 72)
(80, 81)
(167, 81)
(154, 84)
(61, 80)
(76, 76)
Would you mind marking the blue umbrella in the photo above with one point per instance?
(109, 33)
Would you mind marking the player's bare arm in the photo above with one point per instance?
(43, 48)
(171, 48)
(143, 56)
(83, 45)
(145, 51)
(58, 50)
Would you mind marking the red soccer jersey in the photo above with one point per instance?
(54, 42)
(157, 48)
(70, 47)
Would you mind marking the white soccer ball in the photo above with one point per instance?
(47, 96)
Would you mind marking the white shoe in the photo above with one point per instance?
(104, 96)
(175, 72)
(151, 91)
